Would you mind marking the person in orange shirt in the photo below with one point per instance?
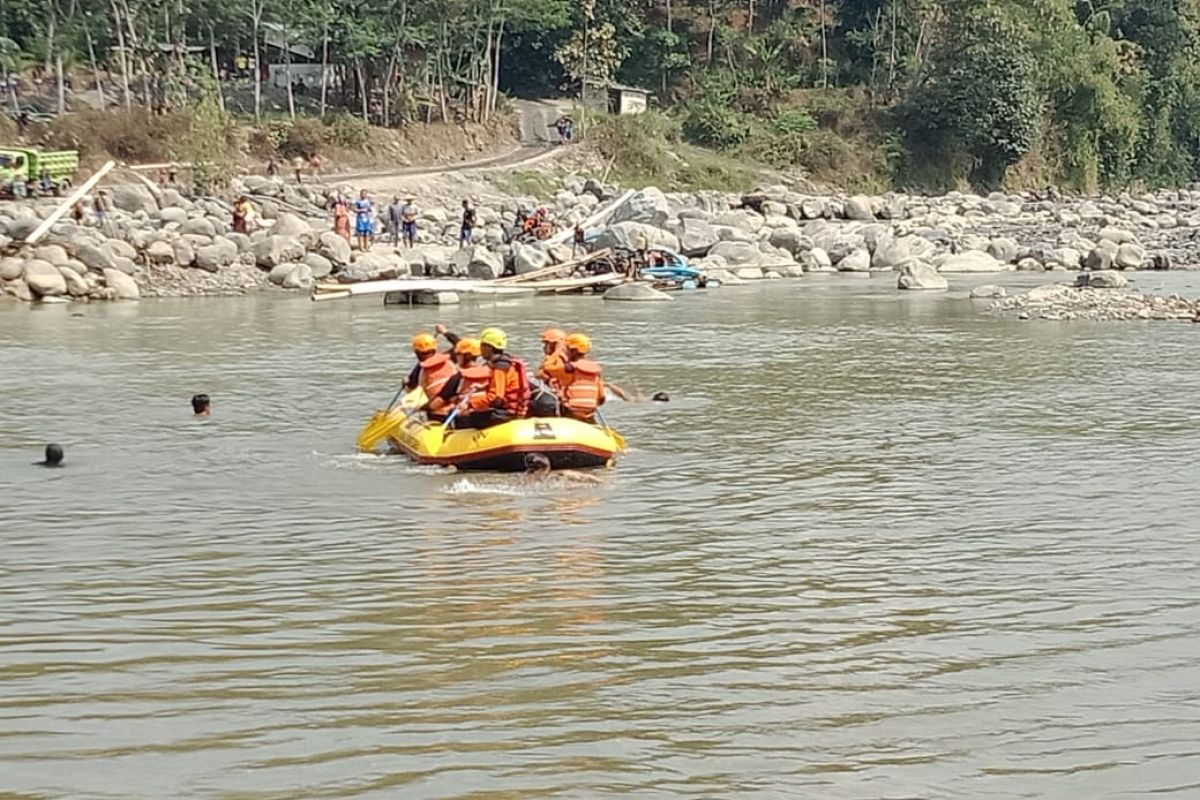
(432, 372)
(506, 396)
(551, 373)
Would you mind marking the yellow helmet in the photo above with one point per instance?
(469, 347)
(553, 335)
(423, 343)
(579, 342)
(494, 337)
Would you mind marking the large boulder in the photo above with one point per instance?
(649, 207)
(292, 226)
(817, 260)
(696, 237)
(122, 285)
(20, 228)
(280, 272)
(971, 261)
(737, 253)
(1101, 257)
(624, 235)
(892, 252)
(52, 254)
(76, 285)
(173, 215)
(94, 258)
(1130, 256)
(334, 247)
(44, 279)
(856, 261)
(221, 253)
(201, 226)
(988, 291)
(1103, 279)
(1004, 249)
(742, 219)
(529, 257)
(318, 265)
(11, 268)
(636, 292)
(275, 250)
(120, 249)
(185, 254)
(132, 197)
(478, 263)
(160, 253)
(791, 239)
(919, 275)
(859, 207)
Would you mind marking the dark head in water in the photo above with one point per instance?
(660, 397)
(537, 463)
(201, 405)
(54, 456)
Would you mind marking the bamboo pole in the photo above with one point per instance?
(74, 197)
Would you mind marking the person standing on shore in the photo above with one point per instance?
(243, 215)
(408, 222)
(394, 217)
(578, 240)
(100, 208)
(467, 228)
(341, 218)
(272, 168)
(298, 169)
(364, 220)
(314, 164)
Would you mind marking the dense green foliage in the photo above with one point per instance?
(913, 92)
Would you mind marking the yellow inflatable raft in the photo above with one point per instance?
(567, 443)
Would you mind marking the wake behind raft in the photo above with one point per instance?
(567, 443)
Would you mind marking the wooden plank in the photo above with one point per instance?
(74, 197)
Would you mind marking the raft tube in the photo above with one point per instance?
(567, 443)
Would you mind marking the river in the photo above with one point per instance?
(877, 545)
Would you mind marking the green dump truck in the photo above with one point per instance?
(23, 170)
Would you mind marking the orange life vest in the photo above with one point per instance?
(554, 370)
(516, 395)
(472, 379)
(585, 391)
(435, 372)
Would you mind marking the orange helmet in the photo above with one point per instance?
(423, 343)
(467, 347)
(553, 336)
(579, 342)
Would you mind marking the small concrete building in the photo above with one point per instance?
(615, 98)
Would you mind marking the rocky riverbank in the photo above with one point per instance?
(166, 244)
(1097, 296)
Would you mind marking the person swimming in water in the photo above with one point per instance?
(54, 456)
(201, 405)
(538, 470)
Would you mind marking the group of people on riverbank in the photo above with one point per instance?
(399, 220)
(478, 383)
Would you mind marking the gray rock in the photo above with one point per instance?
(636, 292)
(44, 279)
(119, 249)
(124, 287)
(859, 207)
(1130, 256)
(292, 226)
(51, 254)
(18, 289)
(1100, 258)
(742, 219)
(625, 235)
(318, 265)
(479, 263)
(299, 278)
(241, 241)
(93, 257)
(221, 253)
(122, 264)
(20, 228)
(173, 215)
(11, 268)
(1116, 235)
(529, 257)
(334, 247)
(160, 253)
(1103, 279)
(856, 261)
(696, 237)
(275, 250)
(185, 254)
(200, 227)
(736, 253)
(791, 239)
(280, 272)
(817, 260)
(919, 275)
(171, 198)
(988, 291)
(1069, 257)
(437, 298)
(972, 261)
(1004, 249)
(1029, 265)
(76, 285)
(132, 197)
(749, 273)
(812, 208)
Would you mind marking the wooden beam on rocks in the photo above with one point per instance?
(73, 198)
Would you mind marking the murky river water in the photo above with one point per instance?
(877, 546)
